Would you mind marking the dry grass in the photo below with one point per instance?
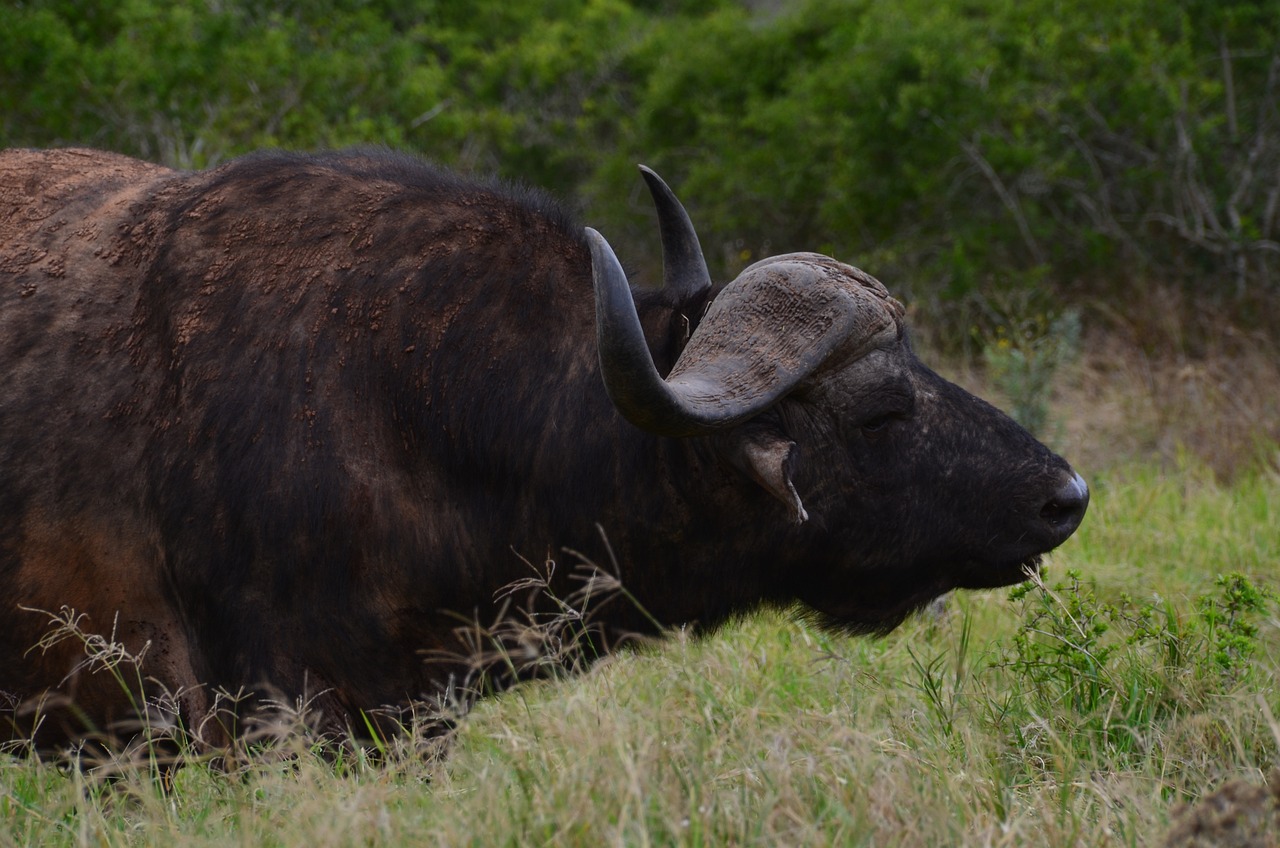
(1175, 382)
(1169, 380)
(1220, 408)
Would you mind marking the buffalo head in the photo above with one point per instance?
(902, 486)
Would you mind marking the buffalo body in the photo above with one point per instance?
(288, 424)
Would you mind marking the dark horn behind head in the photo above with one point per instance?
(684, 268)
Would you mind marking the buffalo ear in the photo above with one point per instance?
(765, 456)
(666, 329)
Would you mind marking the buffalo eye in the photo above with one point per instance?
(877, 426)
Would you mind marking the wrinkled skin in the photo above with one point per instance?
(286, 425)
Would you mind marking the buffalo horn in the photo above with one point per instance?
(763, 334)
(684, 269)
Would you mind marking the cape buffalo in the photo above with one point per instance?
(287, 424)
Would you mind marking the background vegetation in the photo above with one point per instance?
(1078, 201)
(956, 146)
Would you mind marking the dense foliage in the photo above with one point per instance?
(949, 145)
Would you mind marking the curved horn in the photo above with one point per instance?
(633, 383)
(763, 334)
(684, 269)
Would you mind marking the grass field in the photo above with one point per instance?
(1083, 713)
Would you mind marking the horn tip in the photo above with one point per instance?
(601, 252)
(651, 177)
(596, 239)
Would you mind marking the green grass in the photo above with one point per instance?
(1082, 713)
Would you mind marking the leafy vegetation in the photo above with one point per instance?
(957, 148)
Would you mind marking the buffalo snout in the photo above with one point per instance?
(1065, 510)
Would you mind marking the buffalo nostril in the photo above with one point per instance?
(1065, 509)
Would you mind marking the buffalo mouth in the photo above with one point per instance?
(879, 608)
(874, 607)
(977, 575)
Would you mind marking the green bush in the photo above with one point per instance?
(950, 147)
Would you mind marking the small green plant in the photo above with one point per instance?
(1232, 634)
(943, 692)
(1107, 673)
(1024, 354)
(1059, 648)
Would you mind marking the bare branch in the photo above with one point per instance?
(1007, 198)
